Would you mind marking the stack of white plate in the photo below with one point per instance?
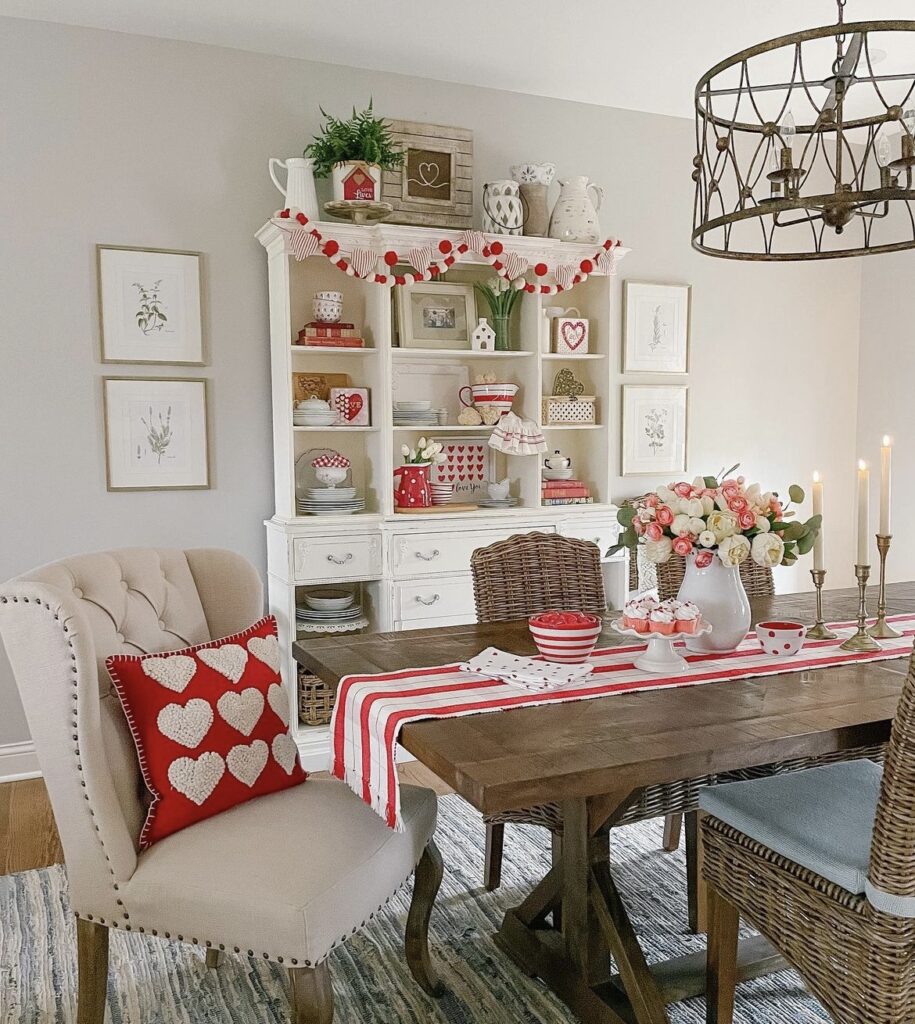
(497, 502)
(329, 617)
(414, 414)
(330, 501)
(557, 474)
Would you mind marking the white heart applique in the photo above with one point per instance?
(242, 710)
(276, 698)
(247, 763)
(197, 778)
(186, 725)
(285, 752)
(267, 650)
(228, 660)
(173, 672)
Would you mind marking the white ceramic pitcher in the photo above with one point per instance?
(300, 184)
(575, 215)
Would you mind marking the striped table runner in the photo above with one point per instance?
(371, 709)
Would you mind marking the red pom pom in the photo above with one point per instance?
(433, 270)
(530, 288)
(576, 279)
(342, 264)
(381, 279)
(390, 257)
(586, 266)
(400, 279)
(445, 246)
(463, 248)
(284, 214)
(544, 289)
(485, 253)
(301, 218)
(608, 244)
(331, 248)
(497, 265)
(541, 269)
(449, 261)
(496, 248)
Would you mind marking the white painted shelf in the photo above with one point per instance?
(332, 350)
(454, 353)
(481, 428)
(572, 426)
(558, 356)
(336, 430)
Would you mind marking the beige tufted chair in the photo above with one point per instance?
(286, 877)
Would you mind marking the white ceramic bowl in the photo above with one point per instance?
(782, 638)
(329, 603)
(331, 475)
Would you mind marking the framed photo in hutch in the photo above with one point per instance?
(434, 186)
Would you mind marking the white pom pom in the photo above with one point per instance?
(518, 284)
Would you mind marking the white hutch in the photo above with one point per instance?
(414, 571)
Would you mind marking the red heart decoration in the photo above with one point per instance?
(573, 334)
(349, 406)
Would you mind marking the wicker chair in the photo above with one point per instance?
(853, 943)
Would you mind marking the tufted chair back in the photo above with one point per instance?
(58, 624)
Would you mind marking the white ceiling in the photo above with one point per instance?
(638, 54)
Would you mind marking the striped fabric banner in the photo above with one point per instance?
(371, 709)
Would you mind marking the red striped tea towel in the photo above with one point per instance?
(371, 709)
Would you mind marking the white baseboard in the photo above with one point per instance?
(18, 761)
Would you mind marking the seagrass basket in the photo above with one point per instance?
(316, 700)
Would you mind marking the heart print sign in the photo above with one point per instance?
(351, 406)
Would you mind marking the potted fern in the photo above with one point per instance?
(354, 152)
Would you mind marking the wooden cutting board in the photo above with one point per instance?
(453, 507)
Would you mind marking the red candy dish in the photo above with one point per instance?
(566, 637)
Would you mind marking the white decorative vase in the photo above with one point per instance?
(299, 190)
(718, 591)
(574, 216)
(503, 213)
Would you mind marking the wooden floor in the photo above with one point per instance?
(28, 835)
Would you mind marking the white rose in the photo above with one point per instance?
(768, 549)
(708, 504)
(763, 524)
(707, 539)
(734, 550)
(658, 551)
(722, 524)
(696, 526)
(722, 502)
(680, 525)
(694, 507)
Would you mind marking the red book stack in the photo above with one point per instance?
(566, 492)
(320, 335)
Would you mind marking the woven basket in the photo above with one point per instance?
(316, 700)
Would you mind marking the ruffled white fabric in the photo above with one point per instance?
(515, 436)
(528, 673)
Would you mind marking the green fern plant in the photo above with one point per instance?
(361, 137)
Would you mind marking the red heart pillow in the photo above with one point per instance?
(211, 726)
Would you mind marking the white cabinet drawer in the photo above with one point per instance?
(602, 532)
(336, 558)
(436, 599)
(422, 553)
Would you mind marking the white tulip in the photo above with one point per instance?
(708, 504)
(422, 443)
(680, 525)
(696, 526)
(694, 507)
(658, 551)
(404, 450)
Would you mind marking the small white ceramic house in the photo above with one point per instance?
(483, 337)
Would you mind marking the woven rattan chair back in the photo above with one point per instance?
(533, 572)
(758, 580)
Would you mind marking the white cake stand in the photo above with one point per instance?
(660, 656)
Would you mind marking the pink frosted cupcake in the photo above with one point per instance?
(635, 616)
(687, 618)
(662, 620)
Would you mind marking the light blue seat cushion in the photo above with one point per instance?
(821, 818)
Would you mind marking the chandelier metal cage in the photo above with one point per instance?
(806, 146)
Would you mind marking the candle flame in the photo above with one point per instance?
(862, 464)
(816, 477)
(887, 441)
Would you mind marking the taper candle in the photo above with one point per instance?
(819, 559)
(886, 470)
(864, 482)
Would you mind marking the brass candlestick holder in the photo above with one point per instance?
(881, 629)
(860, 641)
(819, 630)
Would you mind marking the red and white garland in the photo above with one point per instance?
(363, 263)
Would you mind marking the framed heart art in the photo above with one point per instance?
(351, 406)
(570, 335)
(466, 467)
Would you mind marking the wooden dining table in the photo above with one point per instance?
(594, 757)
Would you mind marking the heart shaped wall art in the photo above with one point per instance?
(351, 406)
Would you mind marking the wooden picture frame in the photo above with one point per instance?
(156, 433)
(434, 186)
(436, 314)
(654, 429)
(150, 305)
(656, 327)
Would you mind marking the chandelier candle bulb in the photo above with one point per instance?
(819, 550)
(886, 469)
(864, 482)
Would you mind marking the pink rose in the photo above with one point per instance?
(709, 492)
(653, 531)
(683, 490)
(664, 515)
(730, 490)
(638, 526)
(738, 505)
(683, 546)
(651, 501)
(704, 559)
(747, 519)
(775, 506)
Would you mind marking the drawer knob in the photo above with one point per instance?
(428, 600)
(430, 557)
(340, 561)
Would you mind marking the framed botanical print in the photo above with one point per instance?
(656, 328)
(150, 306)
(654, 429)
(436, 315)
(156, 433)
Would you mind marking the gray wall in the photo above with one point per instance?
(138, 141)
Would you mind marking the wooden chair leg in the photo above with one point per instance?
(673, 825)
(213, 958)
(696, 898)
(312, 995)
(556, 854)
(721, 970)
(426, 883)
(92, 960)
(495, 839)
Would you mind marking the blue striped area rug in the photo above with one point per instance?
(152, 981)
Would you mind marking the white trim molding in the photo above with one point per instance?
(18, 761)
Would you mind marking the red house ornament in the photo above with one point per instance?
(358, 183)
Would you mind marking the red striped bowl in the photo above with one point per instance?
(569, 643)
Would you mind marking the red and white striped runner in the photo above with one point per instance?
(371, 709)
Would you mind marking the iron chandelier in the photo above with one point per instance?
(806, 145)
